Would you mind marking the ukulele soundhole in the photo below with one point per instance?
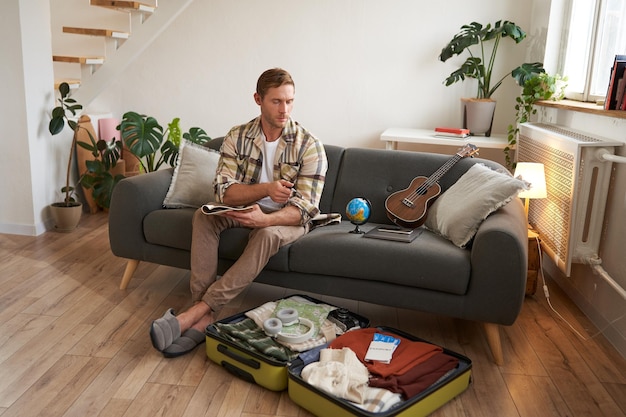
(408, 202)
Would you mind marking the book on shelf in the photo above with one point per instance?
(617, 72)
(621, 100)
(619, 97)
(452, 132)
(398, 234)
(217, 208)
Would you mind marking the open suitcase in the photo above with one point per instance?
(321, 403)
(250, 365)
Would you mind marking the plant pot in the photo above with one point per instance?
(478, 115)
(65, 217)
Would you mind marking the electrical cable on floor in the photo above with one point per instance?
(546, 292)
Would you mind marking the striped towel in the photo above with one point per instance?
(249, 336)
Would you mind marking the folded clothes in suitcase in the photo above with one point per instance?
(242, 343)
(419, 378)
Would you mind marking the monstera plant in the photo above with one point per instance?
(479, 65)
(481, 43)
(153, 145)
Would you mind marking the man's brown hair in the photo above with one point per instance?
(273, 78)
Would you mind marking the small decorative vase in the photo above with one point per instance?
(478, 115)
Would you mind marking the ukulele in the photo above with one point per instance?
(407, 208)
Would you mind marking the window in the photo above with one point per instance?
(595, 31)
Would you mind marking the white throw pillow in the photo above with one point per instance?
(458, 212)
(192, 182)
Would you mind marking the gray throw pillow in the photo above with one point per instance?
(192, 182)
(458, 212)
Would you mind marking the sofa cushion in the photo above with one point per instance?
(172, 228)
(192, 182)
(459, 211)
(429, 262)
(169, 227)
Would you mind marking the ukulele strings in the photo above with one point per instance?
(421, 190)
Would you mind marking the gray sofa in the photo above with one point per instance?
(484, 282)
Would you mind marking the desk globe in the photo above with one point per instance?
(358, 212)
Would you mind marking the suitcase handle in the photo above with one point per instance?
(248, 362)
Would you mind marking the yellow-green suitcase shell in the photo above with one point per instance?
(252, 367)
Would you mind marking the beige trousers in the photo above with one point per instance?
(263, 243)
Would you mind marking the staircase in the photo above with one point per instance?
(94, 41)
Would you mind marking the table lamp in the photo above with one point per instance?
(533, 173)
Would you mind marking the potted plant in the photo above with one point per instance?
(66, 213)
(538, 87)
(480, 66)
(98, 175)
(151, 144)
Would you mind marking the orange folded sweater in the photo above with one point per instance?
(407, 355)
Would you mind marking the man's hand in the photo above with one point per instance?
(252, 218)
(256, 218)
(279, 191)
(249, 218)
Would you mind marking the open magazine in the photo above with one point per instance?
(320, 220)
(217, 208)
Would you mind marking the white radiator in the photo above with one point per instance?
(570, 219)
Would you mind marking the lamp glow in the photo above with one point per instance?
(533, 173)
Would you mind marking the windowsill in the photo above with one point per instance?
(583, 107)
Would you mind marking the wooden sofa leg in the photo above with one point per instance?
(493, 339)
(131, 266)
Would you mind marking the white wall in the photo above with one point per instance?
(360, 66)
(30, 159)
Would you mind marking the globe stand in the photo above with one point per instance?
(357, 230)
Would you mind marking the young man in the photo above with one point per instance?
(273, 163)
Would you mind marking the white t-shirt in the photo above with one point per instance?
(267, 174)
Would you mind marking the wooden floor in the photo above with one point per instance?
(73, 344)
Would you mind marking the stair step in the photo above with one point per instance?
(73, 83)
(125, 5)
(96, 32)
(96, 60)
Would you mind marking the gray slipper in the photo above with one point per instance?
(164, 330)
(185, 344)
